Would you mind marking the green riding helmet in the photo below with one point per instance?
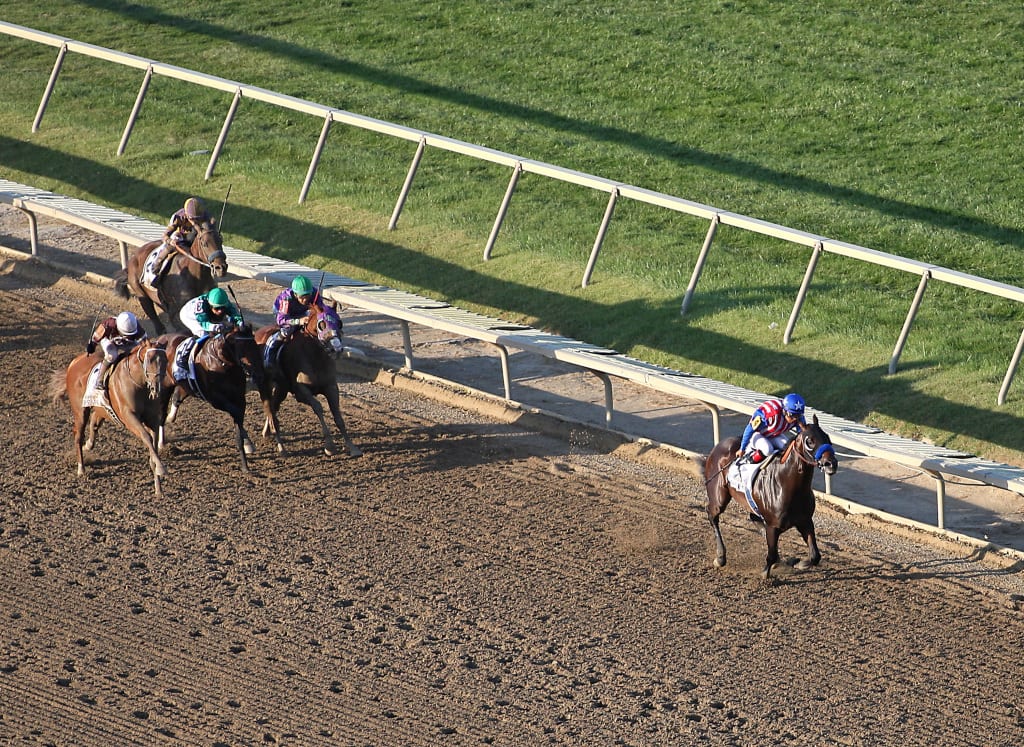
(217, 298)
(301, 286)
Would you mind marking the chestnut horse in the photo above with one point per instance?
(305, 368)
(134, 398)
(781, 491)
(190, 274)
(222, 365)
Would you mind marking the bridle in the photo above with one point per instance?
(144, 353)
(211, 257)
(321, 330)
(811, 460)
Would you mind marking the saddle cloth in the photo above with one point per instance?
(93, 397)
(184, 368)
(740, 476)
(149, 268)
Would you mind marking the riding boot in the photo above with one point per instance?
(273, 346)
(101, 379)
(152, 279)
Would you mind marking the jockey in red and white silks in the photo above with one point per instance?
(767, 430)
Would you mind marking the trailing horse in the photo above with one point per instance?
(782, 493)
(221, 365)
(189, 275)
(134, 398)
(305, 368)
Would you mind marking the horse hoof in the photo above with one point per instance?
(354, 451)
(249, 449)
(719, 562)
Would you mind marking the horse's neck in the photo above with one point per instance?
(310, 329)
(213, 351)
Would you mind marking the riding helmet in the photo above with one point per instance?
(194, 208)
(127, 323)
(301, 286)
(217, 298)
(793, 404)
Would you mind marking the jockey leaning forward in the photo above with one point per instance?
(292, 308)
(181, 231)
(115, 336)
(769, 427)
(210, 313)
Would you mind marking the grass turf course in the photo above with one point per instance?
(895, 128)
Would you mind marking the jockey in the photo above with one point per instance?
(115, 336)
(769, 426)
(181, 231)
(210, 313)
(292, 307)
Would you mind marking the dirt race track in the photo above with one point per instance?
(465, 582)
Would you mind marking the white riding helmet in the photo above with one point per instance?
(127, 323)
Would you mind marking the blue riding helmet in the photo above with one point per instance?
(793, 405)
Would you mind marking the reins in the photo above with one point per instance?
(802, 455)
(208, 262)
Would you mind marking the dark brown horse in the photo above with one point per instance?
(222, 365)
(305, 368)
(782, 491)
(189, 275)
(134, 398)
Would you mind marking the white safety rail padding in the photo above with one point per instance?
(410, 308)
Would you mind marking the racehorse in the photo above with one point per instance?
(781, 491)
(190, 274)
(222, 364)
(306, 369)
(134, 398)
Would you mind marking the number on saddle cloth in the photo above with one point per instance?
(184, 360)
(93, 396)
(740, 476)
(272, 349)
(150, 270)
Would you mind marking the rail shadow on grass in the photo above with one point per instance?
(618, 326)
(657, 147)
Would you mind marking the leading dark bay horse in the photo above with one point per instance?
(305, 368)
(781, 491)
(189, 275)
(134, 398)
(222, 364)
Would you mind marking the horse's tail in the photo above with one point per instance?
(121, 284)
(58, 386)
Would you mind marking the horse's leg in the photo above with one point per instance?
(92, 425)
(150, 308)
(240, 441)
(771, 536)
(806, 530)
(179, 396)
(304, 395)
(81, 414)
(331, 395)
(271, 401)
(718, 499)
(142, 432)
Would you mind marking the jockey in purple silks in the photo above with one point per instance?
(292, 308)
(768, 429)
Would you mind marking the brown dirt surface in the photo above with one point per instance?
(467, 581)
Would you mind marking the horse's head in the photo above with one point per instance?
(240, 344)
(325, 325)
(154, 365)
(815, 447)
(208, 248)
